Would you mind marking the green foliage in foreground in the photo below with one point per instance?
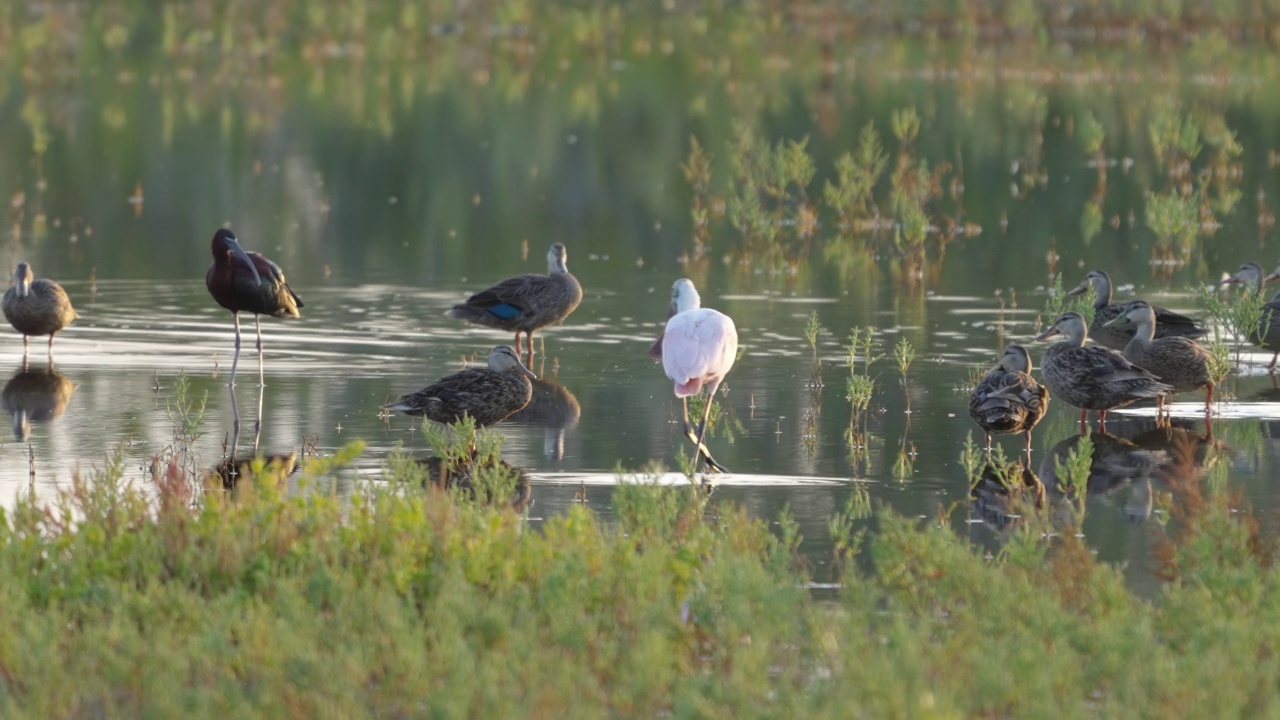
(399, 602)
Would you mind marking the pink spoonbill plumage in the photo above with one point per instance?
(697, 349)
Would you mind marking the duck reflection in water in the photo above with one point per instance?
(35, 395)
(554, 407)
(1138, 455)
(1005, 491)
(490, 480)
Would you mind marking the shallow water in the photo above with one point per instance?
(600, 401)
(390, 185)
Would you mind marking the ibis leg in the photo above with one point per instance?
(529, 338)
(257, 322)
(236, 357)
(257, 425)
(1028, 434)
(24, 345)
(988, 442)
(1272, 366)
(1102, 421)
(1084, 420)
(235, 434)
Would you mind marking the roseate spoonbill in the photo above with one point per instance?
(1177, 361)
(1168, 323)
(1094, 377)
(488, 395)
(697, 349)
(525, 303)
(247, 282)
(1007, 399)
(36, 307)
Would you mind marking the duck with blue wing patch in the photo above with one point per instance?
(525, 303)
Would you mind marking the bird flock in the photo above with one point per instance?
(1142, 352)
(697, 348)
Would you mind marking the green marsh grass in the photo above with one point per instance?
(812, 331)
(1241, 315)
(903, 354)
(1059, 302)
(1072, 471)
(399, 601)
(859, 390)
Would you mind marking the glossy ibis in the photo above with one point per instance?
(525, 303)
(247, 282)
(36, 307)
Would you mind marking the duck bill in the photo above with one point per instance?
(1078, 290)
(1232, 280)
(1115, 322)
(243, 257)
(1048, 333)
(1273, 276)
(526, 371)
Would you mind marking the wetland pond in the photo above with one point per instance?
(388, 191)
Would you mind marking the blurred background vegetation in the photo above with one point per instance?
(386, 141)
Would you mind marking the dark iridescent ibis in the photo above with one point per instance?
(36, 307)
(525, 303)
(247, 282)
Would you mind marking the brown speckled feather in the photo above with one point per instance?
(489, 395)
(45, 310)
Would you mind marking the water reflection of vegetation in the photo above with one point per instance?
(371, 81)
